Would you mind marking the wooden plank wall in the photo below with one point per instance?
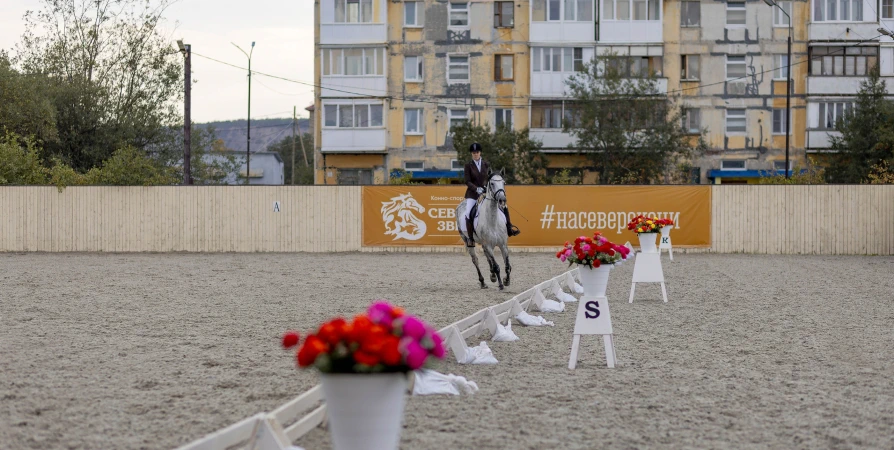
(831, 219)
(816, 219)
(171, 219)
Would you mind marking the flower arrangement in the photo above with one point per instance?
(593, 251)
(385, 339)
(643, 224)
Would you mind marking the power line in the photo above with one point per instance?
(528, 104)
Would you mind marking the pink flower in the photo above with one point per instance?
(585, 248)
(413, 327)
(563, 258)
(438, 351)
(380, 313)
(415, 355)
(568, 253)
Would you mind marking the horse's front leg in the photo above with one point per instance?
(504, 249)
(475, 261)
(494, 267)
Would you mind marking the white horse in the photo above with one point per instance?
(489, 229)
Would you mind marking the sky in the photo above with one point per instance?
(284, 40)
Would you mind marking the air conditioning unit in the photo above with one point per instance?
(735, 88)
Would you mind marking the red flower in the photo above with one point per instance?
(333, 331)
(313, 347)
(366, 358)
(360, 328)
(390, 352)
(290, 339)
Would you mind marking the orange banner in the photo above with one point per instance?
(546, 215)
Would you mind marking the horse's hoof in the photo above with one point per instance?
(493, 278)
(483, 286)
(501, 288)
(506, 282)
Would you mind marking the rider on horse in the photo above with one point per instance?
(476, 173)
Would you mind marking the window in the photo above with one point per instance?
(504, 118)
(689, 67)
(352, 116)
(414, 166)
(504, 14)
(558, 59)
(545, 114)
(831, 112)
(779, 18)
(503, 65)
(887, 9)
(732, 164)
(353, 61)
(538, 10)
(636, 66)
(735, 67)
(839, 10)
(412, 121)
(584, 10)
(456, 165)
(554, 10)
(413, 68)
(355, 176)
(353, 11)
(780, 67)
(459, 15)
(414, 14)
(457, 116)
(735, 121)
(779, 125)
(458, 69)
(692, 121)
(842, 61)
(635, 9)
(780, 165)
(690, 14)
(735, 13)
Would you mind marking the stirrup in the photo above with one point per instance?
(513, 231)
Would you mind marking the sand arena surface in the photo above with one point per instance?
(153, 351)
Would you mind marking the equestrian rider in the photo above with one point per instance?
(475, 177)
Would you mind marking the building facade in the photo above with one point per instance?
(394, 75)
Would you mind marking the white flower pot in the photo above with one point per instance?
(666, 230)
(365, 410)
(647, 242)
(595, 281)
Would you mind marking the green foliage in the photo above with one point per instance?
(304, 162)
(25, 107)
(812, 175)
(565, 176)
(629, 130)
(508, 149)
(21, 165)
(880, 174)
(401, 177)
(130, 167)
(867, 134)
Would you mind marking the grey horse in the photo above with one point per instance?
(490, 229)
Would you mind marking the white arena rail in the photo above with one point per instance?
(268, 431)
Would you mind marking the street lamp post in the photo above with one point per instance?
(248, 133)
(788, 87)
(187, 121)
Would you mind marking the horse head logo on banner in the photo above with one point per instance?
(399, 219)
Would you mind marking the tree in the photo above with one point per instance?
(21, 165)
(304, 162)
(627, 128)
(867, 134)
(25, 107)
(115, 78)
(504, 148)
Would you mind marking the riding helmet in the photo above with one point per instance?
(475, 147)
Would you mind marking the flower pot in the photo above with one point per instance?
(647, 242)
(665, 230)
(365, 410)
(595, 281)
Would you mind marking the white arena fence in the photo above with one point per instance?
(277, 430)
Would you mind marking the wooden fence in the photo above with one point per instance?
(825, 219)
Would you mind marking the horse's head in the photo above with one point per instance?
(496, 187)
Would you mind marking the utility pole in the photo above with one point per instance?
(248, 133)
(187, 121)
(294, 122)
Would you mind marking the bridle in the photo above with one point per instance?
(493, 194)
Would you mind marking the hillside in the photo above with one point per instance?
(264, 132)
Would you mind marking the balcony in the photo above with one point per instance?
(833, 85)
(365, 22)
(558, 32)
(820, 139)
(362, 86)
(552, 84)
(552, 138)
(832, 31)
(353, 140)
(630, 31)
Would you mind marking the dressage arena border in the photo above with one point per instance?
(278, 429)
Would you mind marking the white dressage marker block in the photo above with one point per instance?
(545, 305)
(561, 295)
(569, 281)
(664, 242)
(593, 317)
(648, 270)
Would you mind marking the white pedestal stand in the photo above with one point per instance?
(647, 269)
(664, 241)
(593, 317)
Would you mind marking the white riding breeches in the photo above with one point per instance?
(469, 203)
(462, 223)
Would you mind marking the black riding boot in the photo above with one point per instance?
(511, 229)
(470, 231)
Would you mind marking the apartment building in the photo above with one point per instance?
(394, 76)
